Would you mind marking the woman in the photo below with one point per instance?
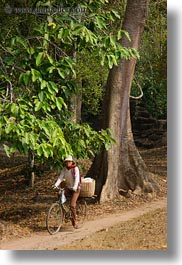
(70, 173)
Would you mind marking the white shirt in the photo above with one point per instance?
(71, 181)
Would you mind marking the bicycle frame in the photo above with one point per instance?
(59, 212)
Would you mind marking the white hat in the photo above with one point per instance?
(69, 158)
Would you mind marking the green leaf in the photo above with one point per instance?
(51, 69)
(38, 106)
(120, 34)
(43, 84)
(46, 150)
(33, 140)
(39, 151)
(30, 50)
(35, 75)
(39, 58)
(60, 34)
(114, 59)
(59, 102)
(61, 73)
(46, 128)
(7, 150)
(52, 24)
(100, 22)
(52, 87)
(26, 138)
(115, 13)
(78, 29)
(47, 107)
(110, 62)
(9, 127)
(107, 146)
(14, 109)
(41, 96)
(112, 41)
(25, 77)
(50, 59)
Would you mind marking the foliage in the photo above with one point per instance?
(39, 78)
(92, 78)
(151, 69)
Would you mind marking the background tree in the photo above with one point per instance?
(151, 69)
(122, 168)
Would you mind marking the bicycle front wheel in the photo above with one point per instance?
(81, 211)
(55, 218)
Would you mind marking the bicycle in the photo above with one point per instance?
(60, 213)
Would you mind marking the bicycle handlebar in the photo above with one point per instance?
(60, 189)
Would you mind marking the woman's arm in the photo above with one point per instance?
(60, 178)
(77, 179)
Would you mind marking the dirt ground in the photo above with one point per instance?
(23, 211)
(146, 232)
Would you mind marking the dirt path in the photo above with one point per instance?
(43, 241)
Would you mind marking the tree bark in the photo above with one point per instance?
(75, 107)
(121, 168)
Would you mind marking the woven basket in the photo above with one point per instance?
(88, 189)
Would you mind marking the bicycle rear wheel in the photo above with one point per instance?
(81, 211)
(55, 218)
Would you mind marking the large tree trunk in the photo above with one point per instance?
(122, 168)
